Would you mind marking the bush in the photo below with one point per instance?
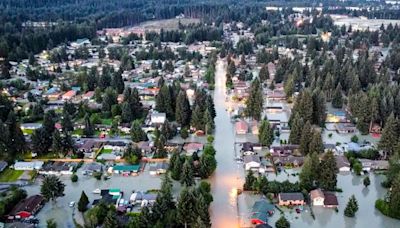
(97, 175)
(184, 133)
(382, 206)
(354, 139)
(74, 178)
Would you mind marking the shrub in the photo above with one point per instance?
(74, 178)
(97, 175)
(382, 206)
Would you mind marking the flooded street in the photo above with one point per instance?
(228, 176)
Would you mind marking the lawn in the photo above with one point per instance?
(106, 121)
(77, 131)
(27, 131)
(10, 175)
(106, 151)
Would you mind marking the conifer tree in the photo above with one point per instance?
(83, 202)
(266, 134)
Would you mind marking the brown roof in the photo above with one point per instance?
(29, 204)
(330, 199)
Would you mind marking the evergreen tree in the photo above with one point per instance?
(83, 202)
(88, 130)
(266, 134)
(394, 198)
(282, 222)
(319, 108)
(307, 175)
(306, 137)
(117, 82)
(264, 73)
(187, 177)
(328, 172)
(187, 207)
(137, 133)
(394, 167)
(254, 103)
(352, 207)
(175, 166)
(337, 99)
(295, 130)
(197, 118)
(40, 141)
(183, 112)
(289, 86)
(202, 211)
(57, 145)
(164, 201)
(110, 220)
(66, 122)
(207, 165)
(250, 181)
(389, 135)
(316, 145)
(209, 122)
(164, 101)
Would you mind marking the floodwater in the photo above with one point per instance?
(367, 215)
(228, 176)
(63, 214)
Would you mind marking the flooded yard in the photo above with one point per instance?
(63, 214)
(367, 215)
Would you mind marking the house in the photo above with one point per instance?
(126, 169)
(88, 95)
(87, 148)
(57, 168)
(259, 218)
(27, 207)
(291, 199)
(262, 206)
(342, 164)
(289, 161)
(260, 211)
(192, 147)
(35, 165)
(143, 198)
(251, 162)
(3, 165)
(247, 148)
(330, 200)
(317, 197)
(109, 196)
(91, 168)
(345, 128)
(158, 118)
(284, 150)
(241, 127)
(158, 168)
(68, 95)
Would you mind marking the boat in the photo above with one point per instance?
(96, 191)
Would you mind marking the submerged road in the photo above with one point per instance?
(226, 179)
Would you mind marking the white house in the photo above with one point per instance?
(158, 118)
(251, 162)
(35, 165)
(342, 163)
(317, 197)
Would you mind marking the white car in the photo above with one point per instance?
(72, 204)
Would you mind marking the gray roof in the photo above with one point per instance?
(3, 165)
(251, 158)
(291, 196)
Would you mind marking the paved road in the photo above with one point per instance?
(227, 178)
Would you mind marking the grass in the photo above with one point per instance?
(78, 131)
(10, 175)
(106, 151)
(27, 131)
(106, 121)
